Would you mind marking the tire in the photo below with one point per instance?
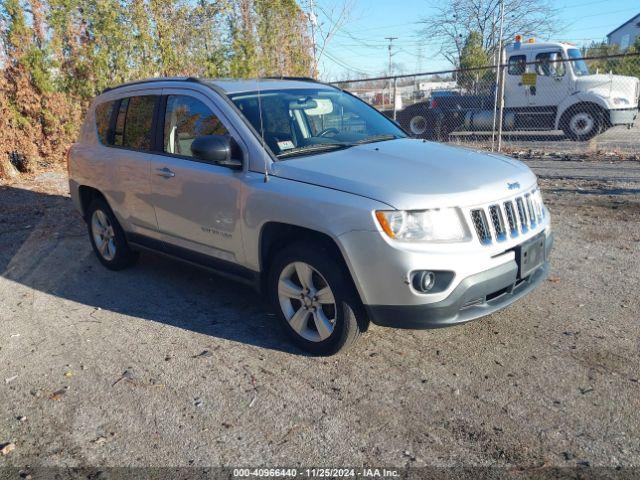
(582, 123)
(418, 121)
(338, 319)
(107, 237)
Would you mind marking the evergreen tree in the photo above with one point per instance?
(473, 56)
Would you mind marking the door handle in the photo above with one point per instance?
(165, 172)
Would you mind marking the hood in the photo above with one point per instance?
(412, 174)
(610, 86)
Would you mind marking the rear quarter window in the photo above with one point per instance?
(103, 121)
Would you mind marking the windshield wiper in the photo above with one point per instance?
(318, 147)
(377, 138)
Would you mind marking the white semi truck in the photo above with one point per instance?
(547, 86)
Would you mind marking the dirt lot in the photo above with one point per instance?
(167, 365)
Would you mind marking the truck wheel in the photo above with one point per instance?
(314, 299)
(582, 123)
(107, 237)
(418, 125)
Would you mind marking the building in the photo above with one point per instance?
(625, 35)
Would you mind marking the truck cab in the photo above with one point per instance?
(550, 86)
(545, 86)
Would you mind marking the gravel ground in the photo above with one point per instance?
(167, 365)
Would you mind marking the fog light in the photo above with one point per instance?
(424, 281)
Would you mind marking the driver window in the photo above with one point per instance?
(185, 119)
(550, 64)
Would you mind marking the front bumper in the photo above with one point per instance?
(623, 117)
(476, 296)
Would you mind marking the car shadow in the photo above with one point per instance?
(44, 245)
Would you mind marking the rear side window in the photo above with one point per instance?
(103, 121)
(517, 64)
(185, 119)
(137, 132)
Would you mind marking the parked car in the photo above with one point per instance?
(313, 197)
(421, 120)
(547, 86)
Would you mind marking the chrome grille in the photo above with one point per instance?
(518, 215)
(482, 227)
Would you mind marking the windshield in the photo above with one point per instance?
(580, 67)
(301, 122)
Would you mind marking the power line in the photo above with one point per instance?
(343, 64)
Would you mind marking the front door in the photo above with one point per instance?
(197, 204)
(552, 81)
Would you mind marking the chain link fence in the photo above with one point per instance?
(544, 97)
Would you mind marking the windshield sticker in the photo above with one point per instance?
(286, 145)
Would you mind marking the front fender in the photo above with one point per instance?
(599, 98)
(320, 209)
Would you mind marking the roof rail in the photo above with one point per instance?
(153, 80)
(299, 79)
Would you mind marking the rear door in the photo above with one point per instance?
(197, 204)
(129, 141)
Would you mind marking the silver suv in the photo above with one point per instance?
(312, 196)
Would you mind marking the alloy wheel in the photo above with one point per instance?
(103, 235)
(307, 301)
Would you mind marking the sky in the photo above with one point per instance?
(360, 48)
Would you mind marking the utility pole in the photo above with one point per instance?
(313, 21)
(391, 39)
(498, 104)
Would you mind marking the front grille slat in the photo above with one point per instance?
(530, 211)
(498, 222)
(522, 215)
(511, 218)
(481, 225)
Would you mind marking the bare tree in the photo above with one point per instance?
(324, 27)
(454, 20)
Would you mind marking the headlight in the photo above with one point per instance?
(620, 101)
(438, 225)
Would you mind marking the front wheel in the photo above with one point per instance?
(314, 299)
(582, 124)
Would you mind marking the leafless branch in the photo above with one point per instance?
(454, 20)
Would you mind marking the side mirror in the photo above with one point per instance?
(216, 149)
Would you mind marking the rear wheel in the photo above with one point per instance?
(314, 298)
(107, 237)
(583, 123)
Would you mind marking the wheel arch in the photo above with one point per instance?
(275, 236)
(87, 195)
(591, 104)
